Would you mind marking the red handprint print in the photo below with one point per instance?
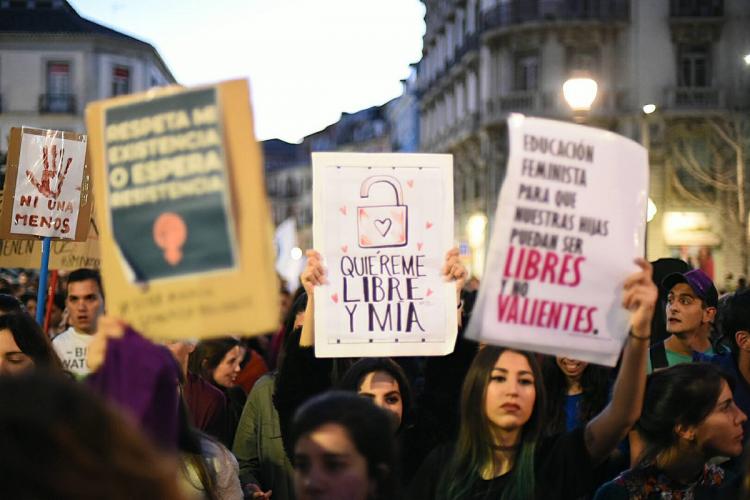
(50, 172)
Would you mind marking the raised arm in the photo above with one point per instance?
(607, 429)
(314, 274)
(453, 270)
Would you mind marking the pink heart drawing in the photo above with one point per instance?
(335, 298)
(410, 183)
(429, 292)
(344, 248)
(428, 225)
(383, 226)
(419, 246)
(343, 210)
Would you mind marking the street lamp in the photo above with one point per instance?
(747, 59)
(580, 93)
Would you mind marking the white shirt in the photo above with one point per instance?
(71, 347)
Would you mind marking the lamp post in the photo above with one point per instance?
(580, 93)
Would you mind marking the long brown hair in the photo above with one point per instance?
(31, 340)
(473, 449)
(60, 440)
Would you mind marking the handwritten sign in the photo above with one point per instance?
(64, 255)
(383, 223)
(186, 242)
(570, 220)
(44, 187)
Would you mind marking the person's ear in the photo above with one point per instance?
(686, 432)
(709, 314)
(743, 340)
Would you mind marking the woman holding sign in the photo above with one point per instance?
(501, 452)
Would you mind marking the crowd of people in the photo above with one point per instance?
(91, 409)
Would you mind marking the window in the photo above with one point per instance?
(526, 71)
(120, 80)
(58, 98)
(694, 66)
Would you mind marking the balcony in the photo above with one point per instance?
(57, 103)
(471, 43)
(694, 98)
(522, 101)
(518, 12)
(696, 8)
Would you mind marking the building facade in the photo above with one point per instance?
(483, 59)
(392, 127)
(53, 62)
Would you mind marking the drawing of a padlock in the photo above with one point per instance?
(382, 226)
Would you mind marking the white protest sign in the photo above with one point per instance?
(47, 196)
(383, 224)
(570, 221)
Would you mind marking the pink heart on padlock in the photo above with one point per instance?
(382, 225)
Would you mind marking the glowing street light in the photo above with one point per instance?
(580, 93)
(649, 108)
(747, 59)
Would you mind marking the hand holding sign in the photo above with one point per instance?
(314, 273)
(107, 327)
(639, 297)
(453, 270)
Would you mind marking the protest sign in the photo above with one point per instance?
(46, 188)
(64, 255)
(185, 233)
(383, 224)
(570, 221)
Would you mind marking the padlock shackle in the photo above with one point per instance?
(364, 191)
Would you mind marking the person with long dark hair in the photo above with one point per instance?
(59, 440)
(343, 449)
(501, 451)
(576, 392)
(24, 347)
(218, 361)
(689, 417)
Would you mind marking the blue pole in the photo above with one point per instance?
(41, 294)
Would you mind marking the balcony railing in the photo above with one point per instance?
(524, 11)
(695, 97)
(471, 42)
(696, 8)
(57, 103)
(523, 100)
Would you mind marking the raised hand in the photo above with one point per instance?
(314, 273)
(453, 270)
(639, 297)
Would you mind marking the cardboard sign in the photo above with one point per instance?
(46, 186)
(64, 255)
(570, 221)
(186, 244)
(383, 223)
